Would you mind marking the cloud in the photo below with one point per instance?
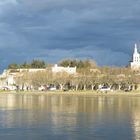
(5, 2)
(57, 29)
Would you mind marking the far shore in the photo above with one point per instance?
(74, 93)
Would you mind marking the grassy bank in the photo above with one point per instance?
(83, 93)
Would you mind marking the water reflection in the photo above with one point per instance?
(69, 117)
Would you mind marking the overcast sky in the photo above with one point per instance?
(103, 30)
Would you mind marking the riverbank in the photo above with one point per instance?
(74, 93)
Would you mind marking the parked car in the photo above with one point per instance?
(104, 89)
(41, 88)
(65, 89)
(52, 88)
(11, 88)
(128, 89)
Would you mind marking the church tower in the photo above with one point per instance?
(135, 64)
(135, 49)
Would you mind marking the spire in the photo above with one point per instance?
(135, 49)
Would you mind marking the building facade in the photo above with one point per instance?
(69, 70)
(135, 63)
(9, 76)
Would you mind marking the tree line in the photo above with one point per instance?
(33, 64)
(65, 63)
(89, 76)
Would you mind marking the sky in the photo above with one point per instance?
(53, 30)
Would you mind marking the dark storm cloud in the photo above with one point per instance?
(103, 30)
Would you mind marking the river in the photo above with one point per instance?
(66, 117)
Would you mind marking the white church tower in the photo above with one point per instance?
(135, 64)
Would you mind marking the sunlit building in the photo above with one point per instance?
(69, 70)
(135, 63)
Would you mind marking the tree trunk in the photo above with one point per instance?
(92, 87)
(119, 87)
(61, 86)
(76, 87)
(84, 87)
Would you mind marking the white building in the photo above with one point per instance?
(135, 63)
(7, 78)
(31, 70)
(69, 70)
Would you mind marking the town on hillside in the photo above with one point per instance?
(71, 75)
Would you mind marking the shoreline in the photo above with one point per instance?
(73, 93)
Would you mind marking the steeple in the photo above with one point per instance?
(135, 64)
(135, 49)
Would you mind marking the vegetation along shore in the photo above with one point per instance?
(73, 93)
(73, 77)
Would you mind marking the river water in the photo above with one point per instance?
(53, 117)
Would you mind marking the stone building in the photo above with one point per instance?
(69, 70)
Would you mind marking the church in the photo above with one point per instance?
(135, 63)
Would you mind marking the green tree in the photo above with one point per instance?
(25, 65)
(13, 66)
(38, 64)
